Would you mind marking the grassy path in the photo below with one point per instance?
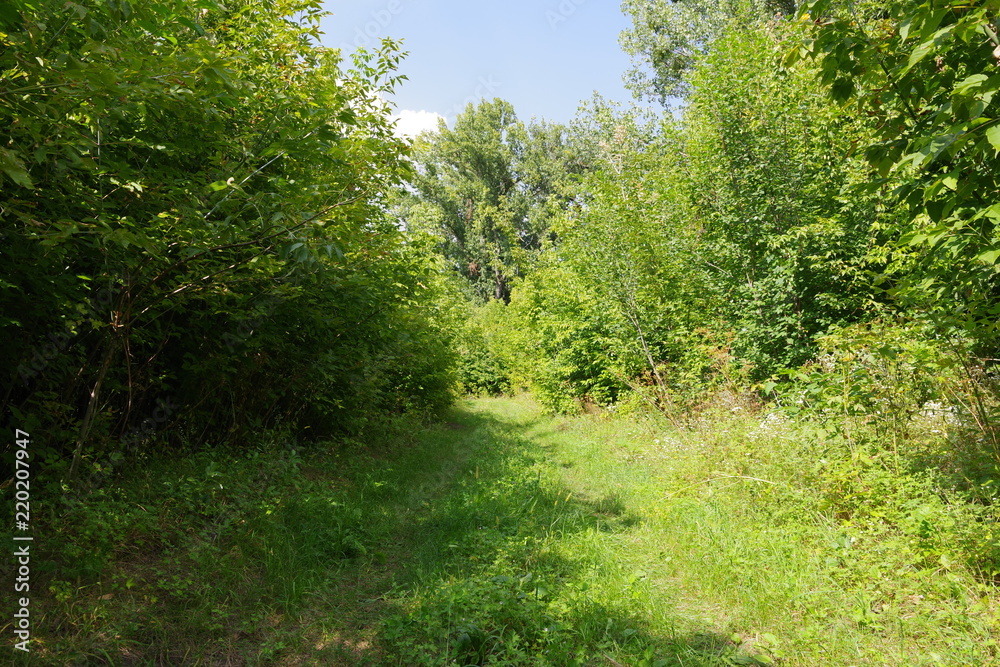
(504, 537)
(509, 537)
(514, 538)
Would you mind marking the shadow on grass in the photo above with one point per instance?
(477, 571)
(448, 546)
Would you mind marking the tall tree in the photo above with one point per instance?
(668, 36)
(768, 163)
(632, 242)
(487, 190)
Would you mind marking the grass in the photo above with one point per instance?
(505, 536)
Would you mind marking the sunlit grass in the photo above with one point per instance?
(508, 537)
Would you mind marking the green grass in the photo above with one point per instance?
(508, 537)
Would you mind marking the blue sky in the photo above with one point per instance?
(543, 56)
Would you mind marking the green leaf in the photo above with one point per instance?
(918, 54)
(951, 180)
(993, 135)
(842, 89)
(14, 168)
(191, 25)
(935, 210)
(989, 257)
(970, 83)
(922, 51)
(934, 148)
(932, 22)
(904, 27)
(993, 213)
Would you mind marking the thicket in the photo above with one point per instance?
(195, 245)
(208, 231)
(827, 173)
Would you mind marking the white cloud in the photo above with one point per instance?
(411, 123)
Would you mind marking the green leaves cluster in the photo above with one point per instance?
(728, 241)
(668, 38)
(925, 74)
(193, 210)
(717, 247)
(769, 163)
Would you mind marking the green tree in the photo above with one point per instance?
(487, 189)
(718, 246)
(559, 339)
(768, 159)
(631, 243)
(668, 37)
(172, 168)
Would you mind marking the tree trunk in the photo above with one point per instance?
(88, 416)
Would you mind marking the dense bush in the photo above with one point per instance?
(194, 230)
